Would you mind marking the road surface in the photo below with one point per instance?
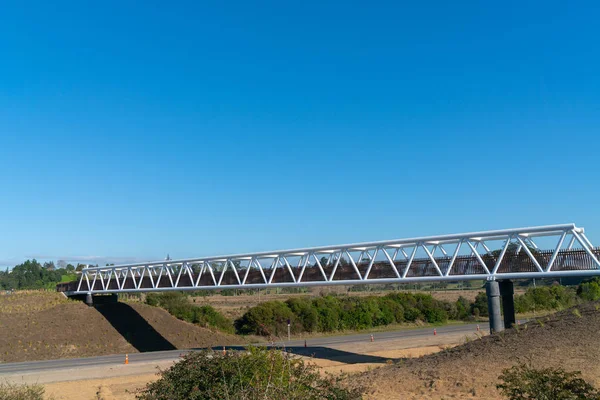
(315, 345)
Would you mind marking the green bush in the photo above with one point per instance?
(589, 290)
(269, 318)
(480, 304)
(523, 382)
(545, 298)
(333, 313)
(177, 304)
(463, 309)
(329, 312)
(305, 314)
(9, 391)
(249, 375)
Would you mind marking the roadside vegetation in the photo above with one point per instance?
(331, 313)
(524, 382)
(246, 375)
(177, 304)
(11, 391)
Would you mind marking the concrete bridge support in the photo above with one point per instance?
(508, 302)
(497, 292)
(492, 289)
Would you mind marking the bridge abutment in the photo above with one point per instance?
(492, 290)
(94, 300)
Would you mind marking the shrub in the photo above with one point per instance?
(480, 304)
(329, 312)
(332, 313)
(589, 290)
(255, 374)
(306, 315)
(9, 391)
(463, 308)
(269, 318)
(523, 382)
(176, 303)
(545, 298)
(390, 311)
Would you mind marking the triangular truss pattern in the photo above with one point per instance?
(505, 254)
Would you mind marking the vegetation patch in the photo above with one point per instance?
(337, 313)
(523, 382)
(177, 304)
(10, 391)
(248, 375)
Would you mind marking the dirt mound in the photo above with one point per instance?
(45, 325)
(567, 339)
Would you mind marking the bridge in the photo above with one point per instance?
(495, 256)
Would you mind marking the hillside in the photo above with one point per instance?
(46, 325)
(567, 339)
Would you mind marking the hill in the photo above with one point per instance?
(567, 339)
(45, 325)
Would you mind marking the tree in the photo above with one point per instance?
(61, 264)
(70, 268)
(49, 265)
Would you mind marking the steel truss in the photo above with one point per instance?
(457, 257)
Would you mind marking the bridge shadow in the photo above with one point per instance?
(320, 352)
(134, 328)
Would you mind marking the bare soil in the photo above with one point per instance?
(567, 339)
(46, 325)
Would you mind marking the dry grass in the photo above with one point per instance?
(567, 339)
(45, 325)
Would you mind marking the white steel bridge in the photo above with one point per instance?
(488, 255)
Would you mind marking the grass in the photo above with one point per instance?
(11, 391)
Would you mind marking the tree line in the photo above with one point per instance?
(34, 275)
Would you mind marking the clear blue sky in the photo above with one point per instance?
(200, 128)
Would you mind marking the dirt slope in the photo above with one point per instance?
(45, 325)
(568, 339)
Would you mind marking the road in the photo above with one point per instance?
(314, 346)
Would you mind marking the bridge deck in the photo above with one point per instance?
(569, 261)
(368, 263)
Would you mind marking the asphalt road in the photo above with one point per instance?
(313, 345)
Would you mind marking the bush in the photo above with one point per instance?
(9, 391)
(589, 290)
(522, 382)
(269, 318)
(255, 374)
(305, 314)
(545, 298)
(480, 304)
(463, 309)
(176, 303)
(332, 313)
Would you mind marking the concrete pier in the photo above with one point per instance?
(492, 289)
(507, 292)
